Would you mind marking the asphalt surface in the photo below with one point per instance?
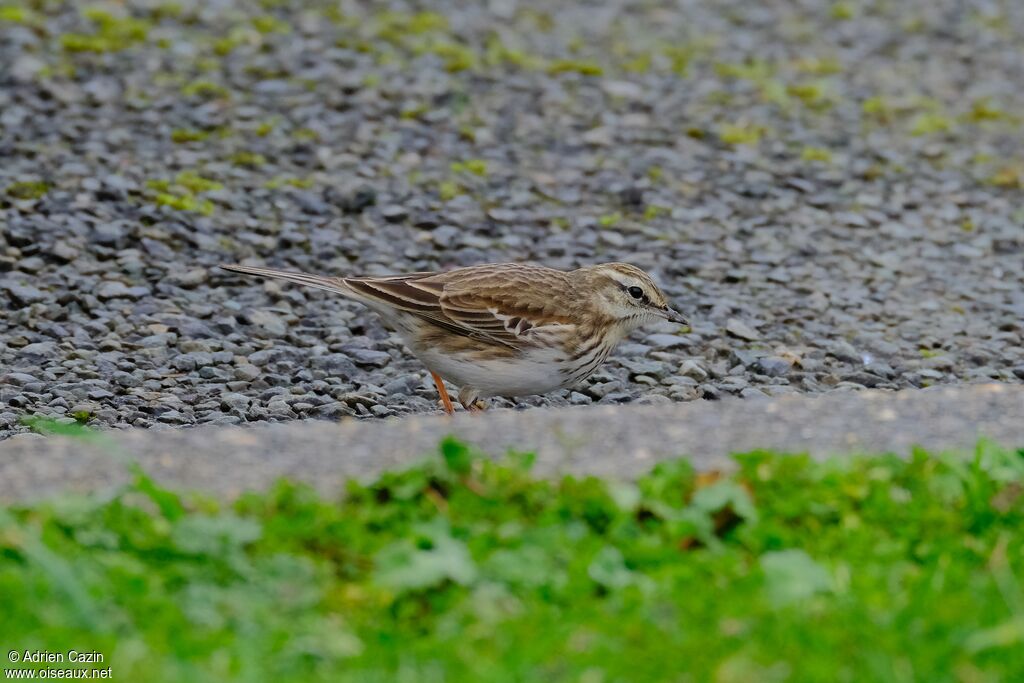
(613, 441)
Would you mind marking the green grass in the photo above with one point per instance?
(464, 569)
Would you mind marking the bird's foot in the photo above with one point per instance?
(470, 402)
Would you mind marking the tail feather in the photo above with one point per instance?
(331, 284)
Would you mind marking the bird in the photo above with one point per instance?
(504, 329)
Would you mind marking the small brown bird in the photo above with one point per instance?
(504, 329)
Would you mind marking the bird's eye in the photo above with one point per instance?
(636, 292)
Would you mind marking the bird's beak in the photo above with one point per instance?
(674, 316)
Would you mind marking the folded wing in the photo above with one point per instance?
(510, 305)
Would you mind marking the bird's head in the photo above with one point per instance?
(627, 295)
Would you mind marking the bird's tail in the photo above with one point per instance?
(331, 284)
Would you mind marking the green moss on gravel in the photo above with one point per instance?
(456, 57)
(193, 182)
(181, 192)
(449, 189)
(580, 66)
(466, 569)
(15, 14)
(1009, 177)
(110, 33)
(653, 211)
(477, 167)
(278, 182)
(248, 159)
(740, 133)
(205, 89)
(184, 203)
(29, 189)
(816, 154)
(183, 135)
(267, 23)
(877, 107)
(930, 123)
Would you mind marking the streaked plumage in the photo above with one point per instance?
(505, 329)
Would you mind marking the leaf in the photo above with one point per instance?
(1000, 464)
(718, 508)
(626, 495)
(526, 566)
(723, 494)
(48, 426)
(407, 566)
(335, 641)
(792, 575)
(169, 503)
(521, 461)
(58, 568)
(456, 455)
(214, 535)
(1003, 635)
(608, 569)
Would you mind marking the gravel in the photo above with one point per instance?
(831, 191)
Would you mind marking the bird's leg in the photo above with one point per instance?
(439, 383)
(469, 400)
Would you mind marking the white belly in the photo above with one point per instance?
(535, 373)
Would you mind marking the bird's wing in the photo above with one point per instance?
(508, 304)
(506, 319)
(513, 303)
(507, 307)
(407, 294)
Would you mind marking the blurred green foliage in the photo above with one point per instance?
(467, 569)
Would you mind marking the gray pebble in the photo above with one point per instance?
(269, 323)
(110, 235)
(394, 213)
(236, 402)
(247, 372)
(740, 329)
(772, 366)
(863, 378)
(17, 379)
(119, 290)
(337, 364)
(24, 295)
(666, 341)
(261, 358)
(368, 357)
